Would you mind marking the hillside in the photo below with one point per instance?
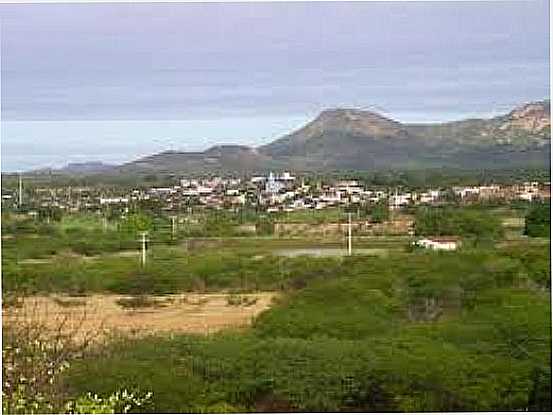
(217, 159)
(86, 168)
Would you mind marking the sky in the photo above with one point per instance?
(114, 82)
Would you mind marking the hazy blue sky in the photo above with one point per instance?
(115, 81)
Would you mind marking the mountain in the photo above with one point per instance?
(355, 139)
(330, 127)
(86, 168)
(217, 159)
(352, 139)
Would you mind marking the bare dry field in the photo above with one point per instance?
(101, 315)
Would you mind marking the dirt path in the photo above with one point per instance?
(182, 313)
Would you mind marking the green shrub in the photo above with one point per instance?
(538, 220)
(467, 222)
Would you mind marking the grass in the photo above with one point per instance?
(205, 264)
(168, 270)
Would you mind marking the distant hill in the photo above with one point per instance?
(86, 168)
(217, 159)
(352, 139)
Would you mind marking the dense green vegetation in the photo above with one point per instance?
(432, 332)
(77, 255)
(90, 235)
(380, 212)
(419, 179)
(538, 220)
(473, 223)
(167, 271)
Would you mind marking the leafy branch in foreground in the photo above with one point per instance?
(35, 354)
(120, 402)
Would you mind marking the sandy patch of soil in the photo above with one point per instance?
(103, 314)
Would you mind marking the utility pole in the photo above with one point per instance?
(143, 257)
(173, 226)
(349, 233)
(20, 194)
(104, 220)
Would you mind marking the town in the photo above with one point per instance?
(282, 205)
(273, 193)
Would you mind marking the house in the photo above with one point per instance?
(439, 243)
(398, 200)
(545, 191)
(257, 179)
(467, 192)
(113, 200)
(528, 196)
(272, 185)
(489, 192)
(287, 177)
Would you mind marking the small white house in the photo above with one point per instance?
(438, 243)
(113, 200)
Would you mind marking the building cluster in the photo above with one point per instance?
(528, 191)
(272, 193)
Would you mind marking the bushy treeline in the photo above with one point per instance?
(92, 235)
(428, 332)
(205, 267)
(411, 178)
(475, 223)
(84, 235)
(538, 220)
(436, 177)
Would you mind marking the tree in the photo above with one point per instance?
(462, 222)
(538, 220)
(380, 212)
(137, 222)
(49, 213)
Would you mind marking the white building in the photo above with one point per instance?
(287, 177)
(113, 200)
(257, 179)
(399, 200)
(204, 190)
(272, 185)
(464, 192)
(528, 196)
(438, 243)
